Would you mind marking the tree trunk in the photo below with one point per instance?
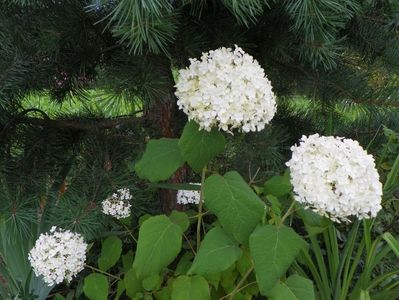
(167, 122)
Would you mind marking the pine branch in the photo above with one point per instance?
(81, 124)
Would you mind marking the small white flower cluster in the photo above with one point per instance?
(335, 177)
(118, 204)
(188, 196)
(58, 255)
(228, 89)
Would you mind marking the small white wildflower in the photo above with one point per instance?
(228, 89)
(188, 196)
(118, 204)
(57, 256)
(335, 177)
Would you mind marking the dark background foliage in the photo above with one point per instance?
(332, 63)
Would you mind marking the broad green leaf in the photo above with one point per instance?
(176, 186)
(235, 204)
(132, 283)
(144, 218)
(213, 279)
(181, 219)
(150, 283)
(273, 250)
(158, 245)
(310, 218)
(110, 252)
(245, 262)
(294, 288)
(184, 264)
(392, 242)
(217, 253)
(127, 260)
(275, 206)
(229, 278)
(314, 223)
(58, 297)
(199, 147)
(95, 286)
(120, 288)
(163, 294)
(189, 288)
(278, 185)
(160, 160)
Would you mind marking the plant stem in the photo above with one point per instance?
(130, 233)
(191, 246)
(239, 285)
(102, 272)
(288, 212)
(200, 208)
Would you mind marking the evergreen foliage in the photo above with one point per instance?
(333, 65)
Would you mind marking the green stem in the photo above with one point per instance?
(200, 208)
(102, 272)
(321, 264)
(349, 275)
(237, 288)
(346, 254)
(128, 230)
(330, 238)
(288, 212)
(316, 276)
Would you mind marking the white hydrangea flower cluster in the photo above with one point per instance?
(57, 256)
(188, 196)
(335, 177)
(228, 89)
(118, 204)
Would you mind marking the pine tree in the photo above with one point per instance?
(333, 64)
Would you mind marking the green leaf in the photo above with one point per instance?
(110, 252)
(58, 297)
(217, 253)
(245, 262)
(163, 294)
(127, 260)
(213, 279)
(158, 245)
(278, 185)
(273, 250)
(189, 288)
(160, 160)
(132, 283)
(229, 278)
(181, 219)
(150, 283)
(294, 288)
(235, 204)
(95, 286)
(199, 147)
(176, 186)
(392, 242)
(184, 263)
(120, 288)
(314, 223)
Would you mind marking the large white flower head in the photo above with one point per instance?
(118, 204)
(58, 255)
(335, 177)
(228, 89)
(188, 196)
